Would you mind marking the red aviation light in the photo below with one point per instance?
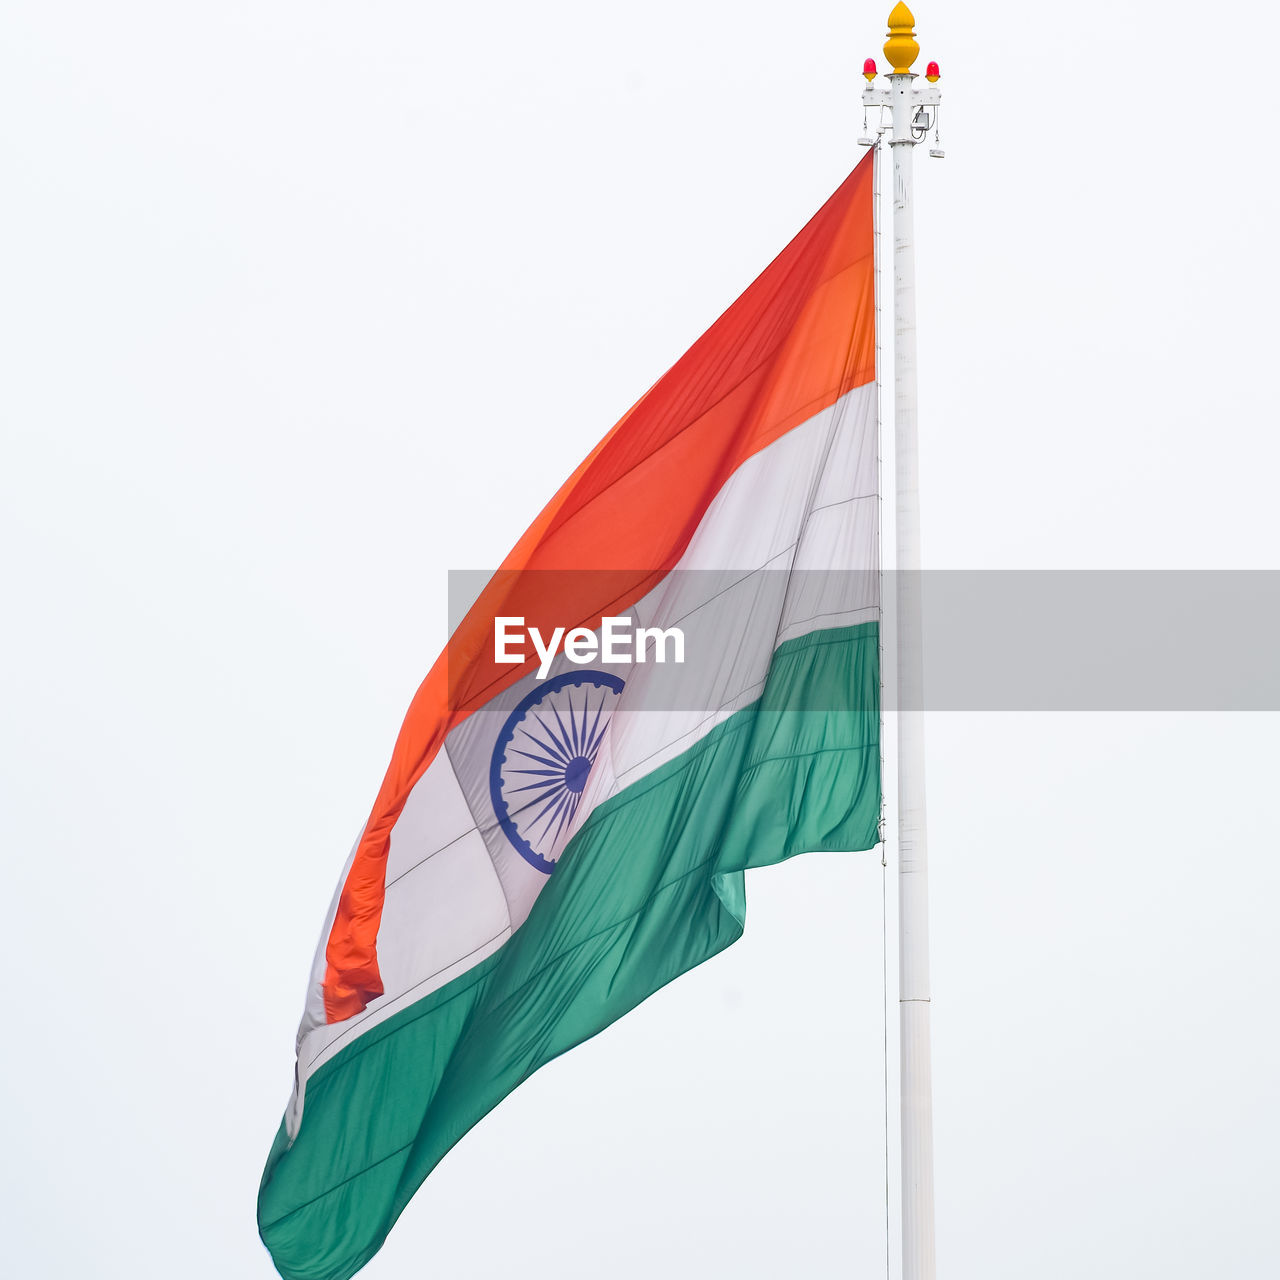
(869, 69)
(931, 73)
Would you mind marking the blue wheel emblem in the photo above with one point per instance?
(543, 756)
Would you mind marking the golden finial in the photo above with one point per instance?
(901, 48)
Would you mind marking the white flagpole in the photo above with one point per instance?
(909, 107)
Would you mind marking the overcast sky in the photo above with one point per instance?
(303, 305)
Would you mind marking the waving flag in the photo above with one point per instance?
(556, 839)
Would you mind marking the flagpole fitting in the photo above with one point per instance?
(901, 48)
(908, 110)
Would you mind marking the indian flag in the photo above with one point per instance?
(556, 840)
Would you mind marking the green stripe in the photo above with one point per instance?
(650, 887)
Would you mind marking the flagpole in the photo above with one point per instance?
(909, 110)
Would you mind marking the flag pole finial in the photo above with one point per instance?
(901, 48)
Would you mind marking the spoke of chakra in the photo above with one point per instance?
(542, 789)
(556, 800)
(553, 748)
(539, 786)
(565, 799)
(564, 733)
(604, 697)
(581, 724)
(549, 739)
(582, 727)
(566, 817)
(573, 722)
(554, 764)
(566, 729)
(597, 738)
(554, 790)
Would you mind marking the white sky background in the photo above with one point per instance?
(302, 305)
